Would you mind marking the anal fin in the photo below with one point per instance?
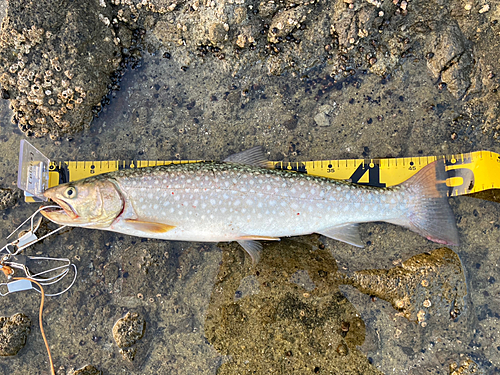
(149, 227)
(347, 233)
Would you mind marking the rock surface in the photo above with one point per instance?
(424, 285)
(127, 331)
(55, 67)
(14, 331)
(55, 89)
(281, 325)
(9, 197)
(86, 370)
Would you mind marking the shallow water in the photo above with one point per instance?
(162, 112)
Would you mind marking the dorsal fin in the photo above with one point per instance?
(253, 156)
(347, 233)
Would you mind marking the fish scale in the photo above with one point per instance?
(238, 200)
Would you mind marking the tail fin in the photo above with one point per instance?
(430, 213)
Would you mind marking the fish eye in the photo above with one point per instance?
(70, 192)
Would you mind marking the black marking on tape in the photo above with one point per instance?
(373, 174)
(63, 171)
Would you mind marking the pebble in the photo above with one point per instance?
(484, 8)
(323, 118)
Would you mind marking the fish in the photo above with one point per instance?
(239, 199)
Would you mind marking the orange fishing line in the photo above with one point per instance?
(40, 320)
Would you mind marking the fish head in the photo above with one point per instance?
(90, 203)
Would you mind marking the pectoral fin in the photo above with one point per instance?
(149, 227)
(346, 233)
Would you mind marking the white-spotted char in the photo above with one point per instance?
(238, 200)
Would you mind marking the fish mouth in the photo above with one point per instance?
(62, 215)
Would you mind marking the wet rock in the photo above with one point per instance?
(86, 370)
(424, 285)
(52, 89)
(323, 116)
(263, 320)
(284, 22)
(9, 198)
(127, 331)
(13, 333)
(216, 33)
(466, 367)
(452, 58)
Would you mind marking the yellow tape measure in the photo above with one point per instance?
(468, 173)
